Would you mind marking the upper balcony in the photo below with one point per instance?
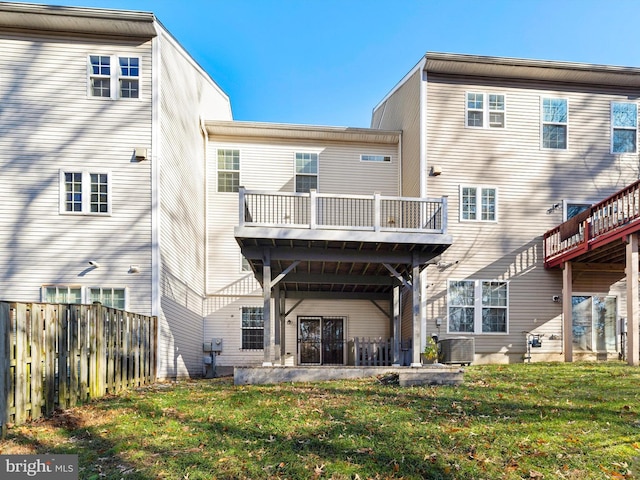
(332, 240)
(596, 235)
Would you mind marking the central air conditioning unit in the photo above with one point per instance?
(457, 350)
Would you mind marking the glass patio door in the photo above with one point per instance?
(321, 340)
(594, 323)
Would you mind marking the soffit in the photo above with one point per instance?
(73, 20)
(301, 132)
(538, 70)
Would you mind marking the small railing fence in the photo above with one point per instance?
(601, 219)
(59, 355)
(346, 212)
(372, 352)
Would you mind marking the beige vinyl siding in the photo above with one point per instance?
(48, 123)
(401, 111)
(187, 95)
(362, 319)
(529, 180)
(269, 166)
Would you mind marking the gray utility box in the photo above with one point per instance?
(214, 346)
(460, 350)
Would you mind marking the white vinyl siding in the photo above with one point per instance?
(624, 127)
(555, 123)
(485, 110)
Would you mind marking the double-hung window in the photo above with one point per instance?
(485, 110)
(478, 203)
(306, 172)
(478, 306)
(109, 297)
(85, 193)
(228, 170)
(111, 76)
(624, 127)
(252, 328)
(555, 121)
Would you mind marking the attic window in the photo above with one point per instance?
(375, 158)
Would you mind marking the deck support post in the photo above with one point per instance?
(277, 325)
(395, 312)
(266, 293)
(417, 323)
(281, 299)
(633, 311)
(567, 311)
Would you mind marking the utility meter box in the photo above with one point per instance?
(216, 345)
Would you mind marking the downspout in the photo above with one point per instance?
(423, 128)
(155, 175)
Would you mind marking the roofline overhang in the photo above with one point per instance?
(77, 20)
(301, 132)
(527, 69)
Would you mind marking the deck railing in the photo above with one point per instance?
(345, 212)
(598, 221)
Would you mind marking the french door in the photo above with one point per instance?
(594, 323)
(321, 340)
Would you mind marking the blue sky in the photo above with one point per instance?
(329, 62)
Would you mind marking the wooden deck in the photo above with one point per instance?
(597, 235)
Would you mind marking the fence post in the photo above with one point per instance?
(5, 377)
(37, 348)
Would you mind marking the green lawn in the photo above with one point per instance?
(552, 421)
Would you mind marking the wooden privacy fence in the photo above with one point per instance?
(58, 355)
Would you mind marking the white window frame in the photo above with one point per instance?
(296, 174)
(543, 122)
(226, 170)
(566, 203)
(68, 288)
(625, 128)
(85, 192)
(243, 328)
(245, 265)
(480, 189)
(373, 158)
(478, 306)
(102, 289)
(115, 76)
(486, 110)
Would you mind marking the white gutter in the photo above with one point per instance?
(155, 178)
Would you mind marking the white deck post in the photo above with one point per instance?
(417, 323)
(266, 292)
(396, 326)
(567, 312)
(633, 312)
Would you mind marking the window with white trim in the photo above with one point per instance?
(111, 76)
(306, 172)
(228, 170)
(624, 127)
(478, 306)
(109, 297)
(61, 294)
(244, 264)
(555, 121)
(375, 158)
(478, 203)
(85, 193)
(252, 328)
(485, 110)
